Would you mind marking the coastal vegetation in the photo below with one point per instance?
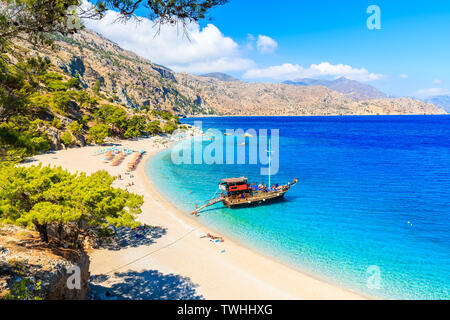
(36, 98)
(24, 289)
(46, 105)
(43, 197)
(43, 106)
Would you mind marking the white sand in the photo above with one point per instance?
(179, 261)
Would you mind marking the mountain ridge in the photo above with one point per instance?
(441, 101)
(351, 88)
(136, 82)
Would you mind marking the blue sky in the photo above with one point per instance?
(409, 56)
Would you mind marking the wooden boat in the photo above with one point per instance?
(237, 192)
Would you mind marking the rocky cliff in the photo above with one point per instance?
(30, 269)
(131, 80)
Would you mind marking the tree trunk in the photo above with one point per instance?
(60, 231)
(42, 229)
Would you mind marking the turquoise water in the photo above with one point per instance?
(373, 191)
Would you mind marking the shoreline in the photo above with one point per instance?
(317, 116)
(190, 220)
(179, 257)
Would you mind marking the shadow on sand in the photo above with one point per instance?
(146, 285)
(126, 238)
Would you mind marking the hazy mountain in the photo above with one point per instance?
(351, 88)
(134, 81)
(440, 101)
(219, 76)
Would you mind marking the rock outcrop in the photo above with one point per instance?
(43, 269)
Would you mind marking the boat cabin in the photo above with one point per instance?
(234, 186)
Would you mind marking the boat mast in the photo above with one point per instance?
(269, 151)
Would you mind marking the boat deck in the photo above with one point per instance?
(258, 197)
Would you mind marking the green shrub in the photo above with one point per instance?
(84, 120)
(98, 133)
(25, 289)
(154, 127)
(66, 138)
(20, 138)
(112, 115)
(38, 197)
(56, 123)
(74, 127)
(136, 127)
(96, 87)
(60, 101)
(169, 127)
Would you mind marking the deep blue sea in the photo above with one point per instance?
(371, 211)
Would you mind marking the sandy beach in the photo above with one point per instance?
(173, 261)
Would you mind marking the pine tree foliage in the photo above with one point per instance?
(38, 197)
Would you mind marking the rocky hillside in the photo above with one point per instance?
(130, 79)
(242, 98)
(134, 81)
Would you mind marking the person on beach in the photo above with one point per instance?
(210, 236)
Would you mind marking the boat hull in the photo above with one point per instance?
(258, 200)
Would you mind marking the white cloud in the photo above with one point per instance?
(437, 81)
(249, 42)
(290, 71)
(266, 44)
(433, 92)
(404, 76)
(206, 50)
(221, 64)
(209, 50)
(284, 71)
